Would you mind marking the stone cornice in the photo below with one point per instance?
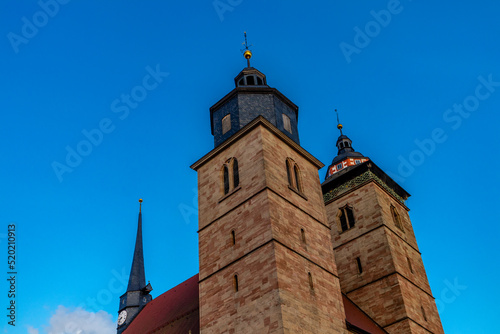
(258, 121)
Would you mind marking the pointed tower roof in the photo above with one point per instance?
(137, 279)
(346, 155)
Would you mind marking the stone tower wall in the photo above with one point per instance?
(269, 256)
(393, 286)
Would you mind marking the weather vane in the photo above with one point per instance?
(246, 51)
(339, 126)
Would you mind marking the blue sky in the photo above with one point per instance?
(417, 85)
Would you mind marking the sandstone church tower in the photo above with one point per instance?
(266, 261)
(379, 263)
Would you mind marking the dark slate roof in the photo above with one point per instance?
(137, 279)
(358, 319)
(346, 155)
(174, 312)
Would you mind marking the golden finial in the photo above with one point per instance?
(339, 126)
(140, 204)
(246, 52)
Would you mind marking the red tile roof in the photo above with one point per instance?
(175, 311)
(356, 317)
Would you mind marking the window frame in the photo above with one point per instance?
(230, 177)
(346, 212)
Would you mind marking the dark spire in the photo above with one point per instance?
(137, 279)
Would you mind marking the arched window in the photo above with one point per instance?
(289, 173)
(226, 180)
(230, 176)
(396, 218)
(236, 174)
(346, 218)
(293, 175)
(296, 171)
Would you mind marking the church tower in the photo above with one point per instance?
(379, 263)
(137, 295)
(266, 261)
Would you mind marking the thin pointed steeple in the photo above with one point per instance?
(137, 279)
(138, 293)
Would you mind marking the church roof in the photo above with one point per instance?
(358, 319)
(175, 311)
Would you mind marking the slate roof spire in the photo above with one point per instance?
(137, 279)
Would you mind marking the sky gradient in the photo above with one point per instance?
(106, 103)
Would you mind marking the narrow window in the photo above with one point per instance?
(289, 173)
(230, 175)
(293, 175)
(259, 81)
(226, 123)
(233, 237)
(341, 144)
(360, 268)
(311, 285)
(303, 235)
(350, 217)
(343, 221)
(250, 80)
(235, 281)
(409, 264)
(236, 174)
(297, 178)
(346, 218)
(286, 123)
(241, 82)
(423, 313)
(226, 180)
(396, 218)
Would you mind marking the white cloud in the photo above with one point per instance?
(79, 321)
(32, 330)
